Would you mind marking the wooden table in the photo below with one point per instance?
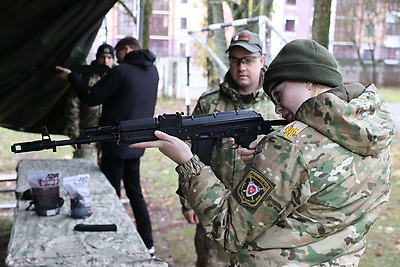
(48, 241)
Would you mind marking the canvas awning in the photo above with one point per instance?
(35, 37)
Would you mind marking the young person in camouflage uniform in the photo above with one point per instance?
(241, 89)
(78, 114)
(312, 189)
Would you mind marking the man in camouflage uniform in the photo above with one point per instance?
(241, 89)
(314, 188)
(79, 115)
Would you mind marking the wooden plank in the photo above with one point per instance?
(7, 205)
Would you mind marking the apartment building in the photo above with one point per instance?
(293, 19)
(364, 37)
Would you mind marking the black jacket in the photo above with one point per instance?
(128, 91)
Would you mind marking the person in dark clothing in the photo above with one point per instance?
(128, 91)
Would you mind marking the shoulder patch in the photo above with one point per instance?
(253, 188)
(292, 129)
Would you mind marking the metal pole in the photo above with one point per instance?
(187, 94)
(219, 62)
(240, 22)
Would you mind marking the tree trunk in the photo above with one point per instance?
(321, 22)
(216, 15)
(146, 23)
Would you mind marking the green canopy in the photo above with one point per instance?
(35, 37)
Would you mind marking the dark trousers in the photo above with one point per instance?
(128, 170)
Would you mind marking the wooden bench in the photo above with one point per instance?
(48, 241)
(7, 188)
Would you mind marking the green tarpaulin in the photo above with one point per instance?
(37, 35)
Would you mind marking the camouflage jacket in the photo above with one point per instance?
(312, 191)
(225, 162)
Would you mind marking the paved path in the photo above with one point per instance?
(395, 110)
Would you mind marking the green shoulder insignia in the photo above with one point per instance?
(253, 188)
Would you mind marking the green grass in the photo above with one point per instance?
(9, 159)
(391, 94)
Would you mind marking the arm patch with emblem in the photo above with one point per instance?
(252, 190)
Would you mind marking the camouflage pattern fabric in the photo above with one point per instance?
(310, 194)
(225, 161)
(80, 116)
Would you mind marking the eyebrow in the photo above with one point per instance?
(276, 85)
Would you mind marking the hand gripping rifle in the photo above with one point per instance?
(205, 131)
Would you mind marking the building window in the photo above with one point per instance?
(159, 47)
(291, 2)
(289, 25)
(344, 51)
(369, 29)
(368, 54)
(392, 23)
(159, 25)
(344, 29)
(125, 20)
(392, 53)
(393, 28)
(183, 23)
(160, 5)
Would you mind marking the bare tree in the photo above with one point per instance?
(145, 13)
(362, 23)
(216, 15)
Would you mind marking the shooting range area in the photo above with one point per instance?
(51, 240)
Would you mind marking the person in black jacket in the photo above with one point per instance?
(128, 91)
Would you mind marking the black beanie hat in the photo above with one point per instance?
(303, 60)
(105, 49)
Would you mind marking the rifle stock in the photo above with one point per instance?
(205, 131)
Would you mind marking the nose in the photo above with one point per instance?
(241, 65)
(278, 109)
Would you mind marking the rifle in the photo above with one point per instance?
(205, 131)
